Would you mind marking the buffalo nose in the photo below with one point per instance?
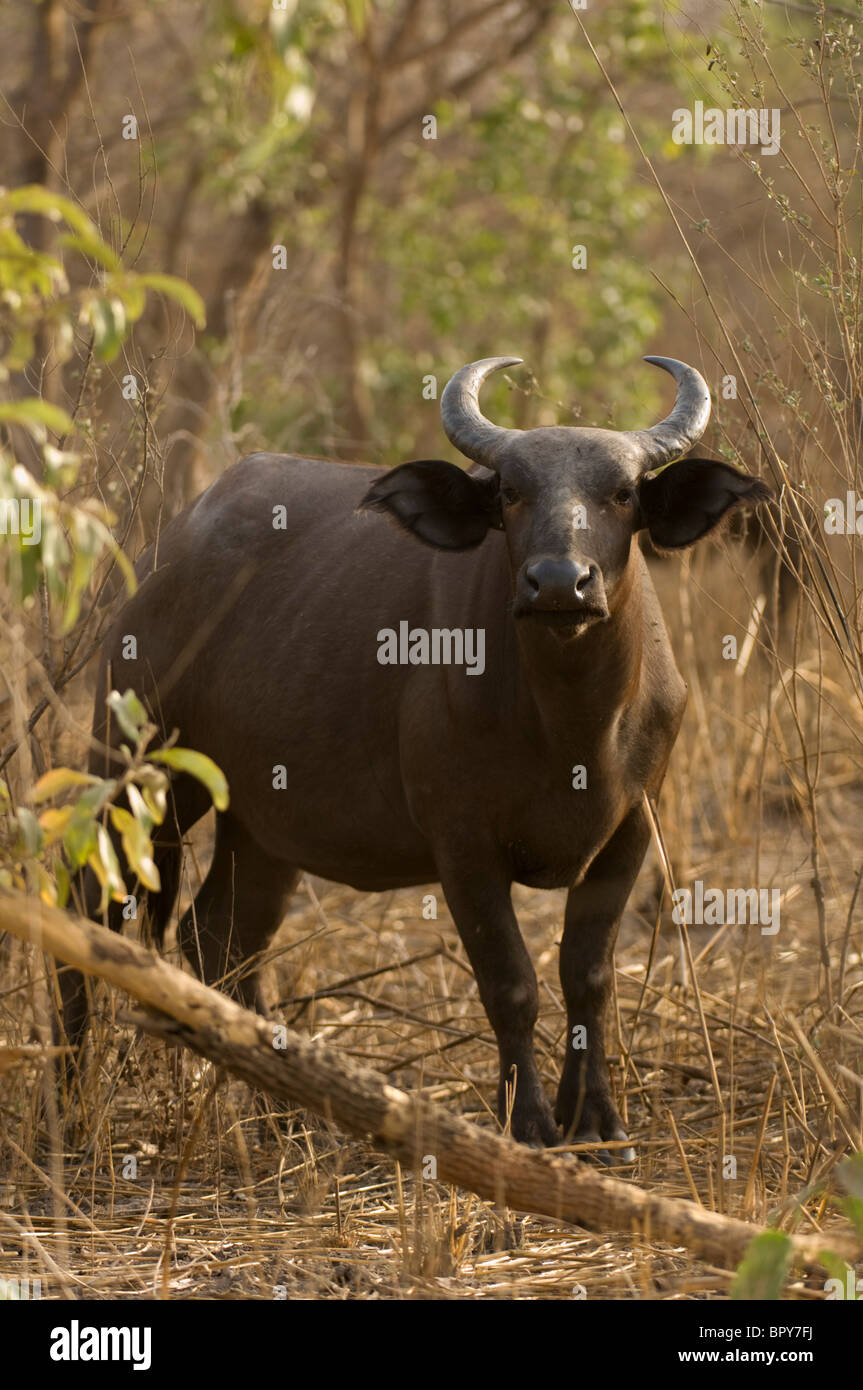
(561, 584)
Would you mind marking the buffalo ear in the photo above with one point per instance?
(687, 500)
(437, 502)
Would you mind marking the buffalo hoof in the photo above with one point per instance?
(598, 1121)
(536, 1128)
(608, 1158)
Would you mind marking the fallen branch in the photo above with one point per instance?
(300, 1071)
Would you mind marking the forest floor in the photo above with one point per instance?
(172, 1186)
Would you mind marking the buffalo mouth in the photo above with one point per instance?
(564, 621)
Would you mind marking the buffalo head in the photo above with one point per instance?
(570, 500)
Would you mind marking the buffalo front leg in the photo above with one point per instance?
(233, 919)
(483, 913)
(585, 1108)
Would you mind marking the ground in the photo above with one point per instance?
(219, 1204)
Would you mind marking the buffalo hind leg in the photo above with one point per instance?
(188, 802)
(71, 1026)
(236, 913)
(585, 1101)
(483, 913)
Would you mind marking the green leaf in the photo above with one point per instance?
(55, 822)
(200, 766)
(21, 348)
(134, 298)
(154, 790)
(137, 847)
(29, 831)
(80, 839)
(139, 808)
(93, 247)
(763, 1269)
(105, 865)
(108, 319)
(35, 414)
(33, 198)
(128, 712)
(59, 780)
(179, 290)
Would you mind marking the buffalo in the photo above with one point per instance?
(430, 674)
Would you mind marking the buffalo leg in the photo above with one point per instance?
(483, 913)
(237, 912)
(188, 803)
(593, 912)
(71, 1026)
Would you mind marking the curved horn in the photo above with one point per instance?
(688, 420)
(464, 423)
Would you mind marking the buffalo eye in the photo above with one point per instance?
(624, 497)
(510, 496)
